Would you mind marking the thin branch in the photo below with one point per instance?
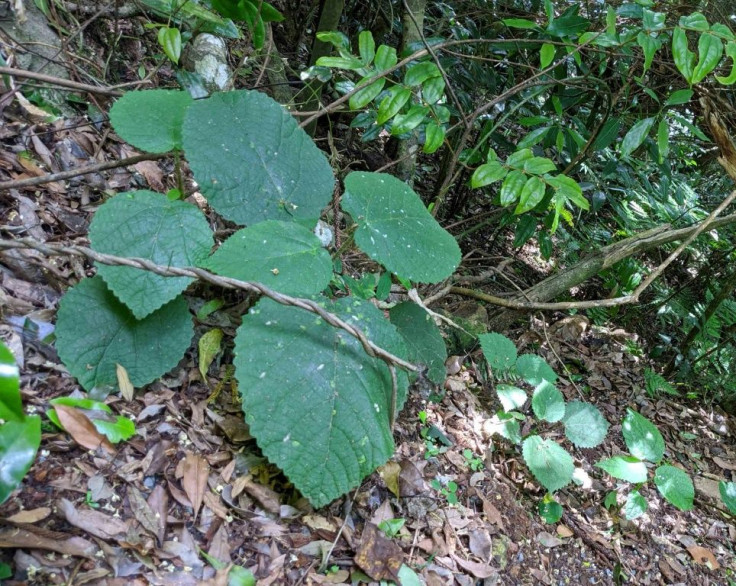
(75, 85)
(226, 282)
(19, 183)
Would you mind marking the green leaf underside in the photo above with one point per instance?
(116, 431)
(324, 419)
(395, 229)
(422, 337)
(148, 225)
(11, 408)
(635, 506)
(266, 168)
(728, 494)
(625, 468)
(19, 441)
(95, 331)
(642, 437)
(499, 351)
(585, 427)
(534, 369)
(548, 402)
(511, 397)
(151, 120)
(675, 486)
(282, 255)
(551, 465)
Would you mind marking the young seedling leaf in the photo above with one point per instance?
(635, 505)
(626, 468)
(585, 427)
(266, 167)
(548, 402)
(423, 339)
(498, 350)
(148, 225)
(324, 419)
(675, 486)
(511, 397)
(534, 369)
(95, 331)
(642, 437)
(728, 494)
(282, 255)
(151, 120)
(395, 229)
(551, 465)
(116, 431)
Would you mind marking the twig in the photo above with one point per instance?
(226, 282)
(18, 183)
(75, 85)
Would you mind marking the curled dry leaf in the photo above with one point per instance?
(703, 556)
(82, 430)
(94, 522)
(195, 471)
(31, 516)
(126, 387)
(378, 556)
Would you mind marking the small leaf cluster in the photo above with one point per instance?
(413, 104)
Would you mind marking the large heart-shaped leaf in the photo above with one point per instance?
(317, 404)
(423, 339)
(149, 225)
(395, 229)
(264, 168)
(549, 463)
(95, 332)
(282, 255)
(151, 120)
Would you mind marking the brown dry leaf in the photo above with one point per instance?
(378, 556)
(143, 512)
(480, 543)
(153, 174)
(266, 497)
(93, 522)
(493, 515)
(389, 473)
(16, 537)
(195, 471)
(158, 501)
(220, 546)
(564, 531)
(478, 570)
(126, 387)
(703, 556)
(548, 540)
(82, 429)
(30, 516)
(724, 463)
(411, 482)
(316, 522)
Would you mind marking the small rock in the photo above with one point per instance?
(207, 57)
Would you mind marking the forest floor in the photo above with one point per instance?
(190, 494)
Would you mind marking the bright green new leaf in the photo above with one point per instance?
(366, 95)
(684, 57)
(679, 97)
(653, 21)
(435, 136)
(550, 511)
(650, 45)
(433, 89)
(625, 468)
(517, 159)
(568, 24)
(422, 337)
(209, 347)
(642, 437)
(284, 256)
(548, 403)
(335, 38)
(531, 195)
(539, 165)
(728, 494)
(19, 441)
(511, 397)
(170, 40)
(151, 120)
(95, 331)
(11, 407)
(317, 404)
(635, 505)
(675, 486)
(567, 189)
(585, 427)
(511, 187)
(695, 21)
(404, 123)
(239, 576)
(551, 465)
(730, 52)
(366, 47)
(498, 350)
(119, 430)
(266, 167)
(546, 54)
(534, 369)
(635, 136)
(488, 173)
(710, 49)
(521, 23)
(148, 225)
(396, 230)
(385, 58)
(340, 62)
(392, 103)
(534, 137)
(417, 74)
(663, 140)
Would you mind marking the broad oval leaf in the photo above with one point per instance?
(395, 229)
(585, 427)
(422, 337)
(488, 173)
(710, 49)
(407, 122)
(548, 402)
(625, 468)
(534, 369)
(434, 137)
(284, 256)
(324, 420)
(642, 437)
(636, 136)
(679, 97)
(547, 54)
(531, 195)
(675, 486)
(392, 103)
(266, 167)
(385, 57)
(512, 186)
(419, 73)
(95, 331)
(539, 165)
(695, 21)
(433, 89)
(149, 225)
(170, 40)
(635, 505)
(728, 494)
(366, 95)
(730, 52)
(366, 47)
(19, 441)
(498, 350)
(11, 407)
(683, 56)
(511, 397)
(151, 120)
(551, 465)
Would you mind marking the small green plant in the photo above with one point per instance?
(392, 527)
(90, 501)
(656, 384)
(448, 491)
(114, 428)
(474, 462)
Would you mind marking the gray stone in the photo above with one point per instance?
(207, 56)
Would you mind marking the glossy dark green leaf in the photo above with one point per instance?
(365, 96)
(710, 49)
(366, 47)
(435, 136)
(392, 103)
(531, 195)
(684, 57)
(19, 441)
(404, 123)
(636, 135)
(419, 73)
(11, 408)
